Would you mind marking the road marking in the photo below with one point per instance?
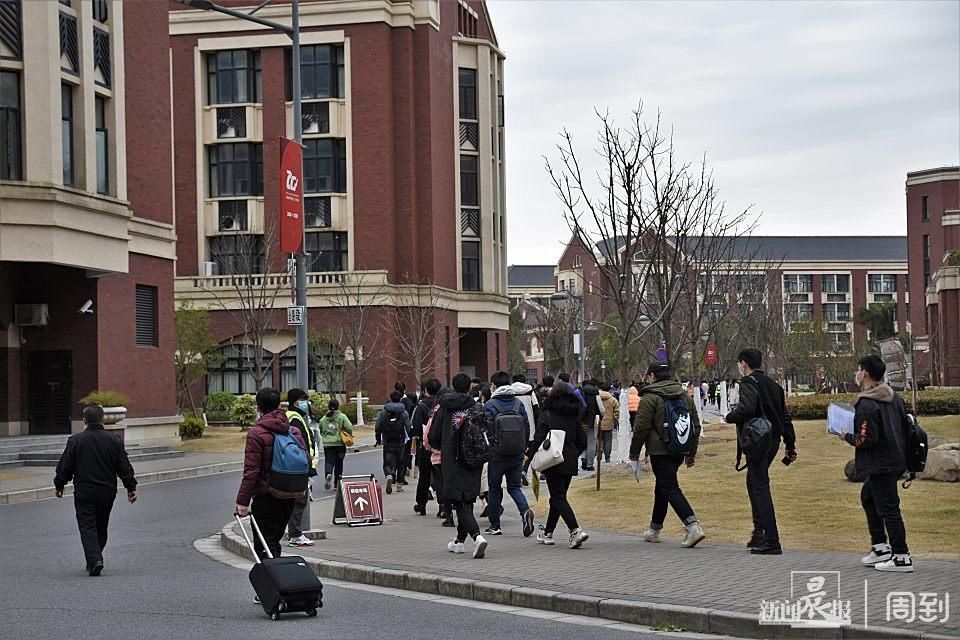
(210, 546)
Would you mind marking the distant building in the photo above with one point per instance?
(933, 237)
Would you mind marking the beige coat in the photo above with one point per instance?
(611, 409)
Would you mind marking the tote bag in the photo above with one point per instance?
(550, 453)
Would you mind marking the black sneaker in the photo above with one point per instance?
(96, 569)
(420, 511)
(756, 539)
(448, 523)
(528, 523)
(767, 549)
(493, 531)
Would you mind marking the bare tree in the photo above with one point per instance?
(360, 302)
(554, 329)
(654, 224)
(326, 356)
(416, 327)
(246, 290)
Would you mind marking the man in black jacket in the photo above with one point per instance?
(761, 396)
(880, 436)
(422, 413)
(93, 459)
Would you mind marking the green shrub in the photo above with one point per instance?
(191, 428)
(244, 412)
(318, 403)
(930, 402)
(370, 413)
(105, 398)
(220, 402)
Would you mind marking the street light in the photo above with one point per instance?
(563, 297)
(301, 259)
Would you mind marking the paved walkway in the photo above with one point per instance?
(617, 565)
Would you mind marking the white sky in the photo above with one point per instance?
(813, 112)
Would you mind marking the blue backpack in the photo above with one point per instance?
(290, 468)
(677, 426)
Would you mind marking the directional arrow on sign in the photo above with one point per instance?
(361, 503)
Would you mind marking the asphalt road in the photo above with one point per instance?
(156, 585)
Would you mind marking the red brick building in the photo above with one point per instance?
(933, 236)
(87, 243)
(403, 180)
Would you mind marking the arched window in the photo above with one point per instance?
(324, 370)
(234, 372)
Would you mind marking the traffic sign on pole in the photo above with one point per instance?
(294, 315)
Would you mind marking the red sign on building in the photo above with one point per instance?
(711, 355)
(291, 196)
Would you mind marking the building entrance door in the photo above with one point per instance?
(49, 389)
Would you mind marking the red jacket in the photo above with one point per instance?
(258, 455)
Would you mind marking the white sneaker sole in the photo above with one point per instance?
(576, 544)
(480, 550)
(694, 542)
(873, 563)
(654, 540)
(548, 543)
(895, 569)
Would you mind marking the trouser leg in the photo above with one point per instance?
(272, 516)
(423, 481)
(559, 506)
(758, 485)
(466, 522)
(886, 508)
(665, 470)
(607, 445)
(295, 523)
(591, 453)
(495, 471)
(391, 460)
(514, 475)
(93, 515)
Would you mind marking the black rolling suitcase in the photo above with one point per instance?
(284, 585)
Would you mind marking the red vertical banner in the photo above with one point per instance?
(291, 196)
(711, 355)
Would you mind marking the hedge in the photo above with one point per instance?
(191, 428)
(930, 402)
(244, 412)
(220, 402)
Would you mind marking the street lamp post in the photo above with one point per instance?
(563, 297)
(301, 259)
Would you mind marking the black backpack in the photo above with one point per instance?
(510, 430)
(677, 426)
(475, 442)
(393, 431)
(916, 448)
(754, 439)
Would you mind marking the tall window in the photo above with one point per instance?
(322, 71)
(146, 303)
(236, 169)
(233, 76)
(835, 283)
(470, 265)
(66, 132)
(926, 261)
(836, 312)
(237, 254)
(327, 251)
(103, 146)
(10, 126)
(101, 12)
(794, 283)
(881, 283)
(468, 94)
(232, 372)
(469, 182)
(325, 165)
(925, 207)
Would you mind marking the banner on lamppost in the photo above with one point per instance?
(711, 355)
(291, 196)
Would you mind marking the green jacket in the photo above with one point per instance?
(331, 426)
(648, 425)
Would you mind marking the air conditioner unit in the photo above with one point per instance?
(31, 315)
(210, 269)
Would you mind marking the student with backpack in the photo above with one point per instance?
(393, 432)
(421, 414)
(460, 433)
(298, 415)
(593, 412)
(668, 424)
(511, 429)
(762, 420)
(275, 471)
(882, 434)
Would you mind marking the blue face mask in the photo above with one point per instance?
(303, 405)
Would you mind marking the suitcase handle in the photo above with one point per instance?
(246, 537)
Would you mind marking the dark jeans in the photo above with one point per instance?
(633, 418)
(667, 491)
(512, 468)
(333, 461)
(559, 507)
(423, 481)
(393, 464)
(436, 480)
(881, 503)
(466, 522)
(607, 437)
(272, 515)
(93, 516)
(301, 512)
(761, 502)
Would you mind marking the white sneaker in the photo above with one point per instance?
(479, 547)
(328, 481)
(694, 535)
(301, 541)
(389, 484)
(543, 537)
(577, 538)
(455, 547)
(878, 553)
(899, 564)
(651, 535)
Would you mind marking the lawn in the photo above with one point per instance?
(233, 440)
(817, 508)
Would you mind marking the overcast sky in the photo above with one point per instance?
(813, 112)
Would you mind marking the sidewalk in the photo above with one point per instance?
(620, 567)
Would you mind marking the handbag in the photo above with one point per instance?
(346, 438)
(550, 453)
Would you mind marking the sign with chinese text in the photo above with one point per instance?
(291, 196)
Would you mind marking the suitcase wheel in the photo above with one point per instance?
(275, 616)
(311, 612)
(281, 607)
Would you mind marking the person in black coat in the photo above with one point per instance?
(460, 485)
(561, 411)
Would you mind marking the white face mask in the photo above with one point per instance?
(859, 378)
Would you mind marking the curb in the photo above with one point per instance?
(694, 619)
(31, 495)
